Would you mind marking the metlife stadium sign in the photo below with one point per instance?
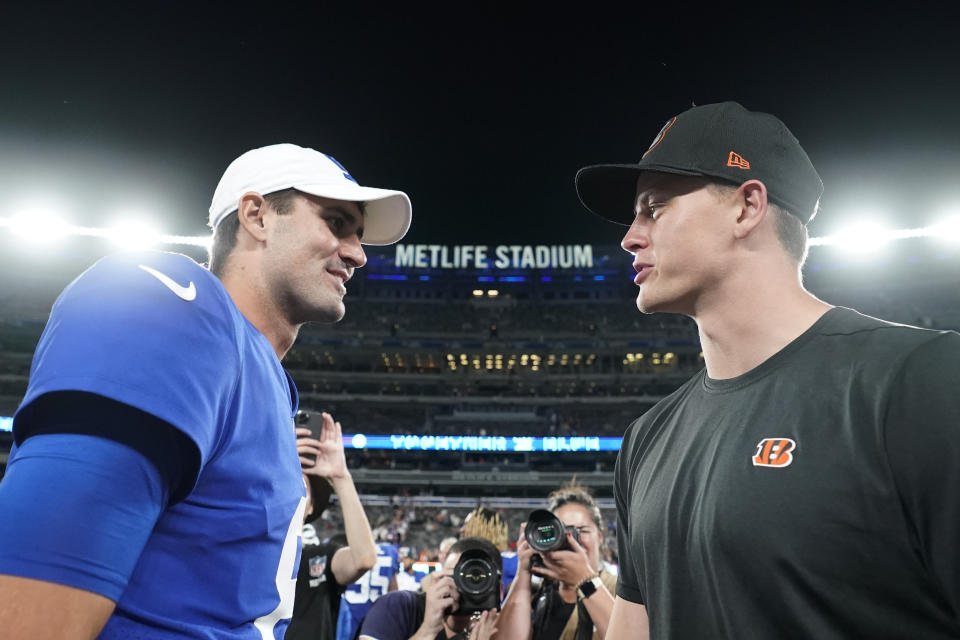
(482, 256)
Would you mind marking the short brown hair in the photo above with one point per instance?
(790, 230)
(573, 493)
(225, 235)
(466, 544)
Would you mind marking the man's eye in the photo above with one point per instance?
(335, 222)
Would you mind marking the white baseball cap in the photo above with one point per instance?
(387, 213)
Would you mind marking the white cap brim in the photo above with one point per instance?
(387, 213)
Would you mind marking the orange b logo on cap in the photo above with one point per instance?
(659, 137)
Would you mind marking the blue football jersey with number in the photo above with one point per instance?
(159, 332)
(360, 596)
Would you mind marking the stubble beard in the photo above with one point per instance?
(323, 308)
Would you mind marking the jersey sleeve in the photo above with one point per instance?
(87, 532)
(627, 581)
(922, 430)
(392, 617)
(154, 331)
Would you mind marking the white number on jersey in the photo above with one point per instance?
(371, 585)
(286, 578)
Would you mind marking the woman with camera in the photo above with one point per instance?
(575, 599)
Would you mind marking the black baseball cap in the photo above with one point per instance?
(723, 141)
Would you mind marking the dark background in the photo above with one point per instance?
(482, 112)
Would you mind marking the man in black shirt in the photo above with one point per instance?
(804, 484)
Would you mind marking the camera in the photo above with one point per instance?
(477, 578)
(545, 532)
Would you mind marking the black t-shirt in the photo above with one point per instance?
(316, 604)
(815, 496)
(550, 614)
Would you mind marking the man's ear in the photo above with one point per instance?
(250, 214)
(752, 200)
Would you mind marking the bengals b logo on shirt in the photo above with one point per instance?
(774, 452)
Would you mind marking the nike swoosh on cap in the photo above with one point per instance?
(188, 293)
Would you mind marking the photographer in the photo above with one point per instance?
(574, 602)
(487, 524)
(460, 603)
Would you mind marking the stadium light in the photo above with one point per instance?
(948, 229)
(133, 234)
(862, 237)
(39, 225)
(42, 223)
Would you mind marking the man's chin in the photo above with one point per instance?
(646, 304)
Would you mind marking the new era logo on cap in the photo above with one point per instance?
(736, 160)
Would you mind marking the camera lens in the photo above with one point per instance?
(546, 535)
(476, 576)
(544, 531)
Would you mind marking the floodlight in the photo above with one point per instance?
(863, 237)
(133, 234)
(39, 225)
(947, 229)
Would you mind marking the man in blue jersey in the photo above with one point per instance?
(157, 393)
(360, 596)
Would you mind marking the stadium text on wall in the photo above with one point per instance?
(480, 256)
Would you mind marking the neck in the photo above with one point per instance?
(260, 309)
(567, 593)
(749, 321)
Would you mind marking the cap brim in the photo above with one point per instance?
(610, 190)
(387, 213)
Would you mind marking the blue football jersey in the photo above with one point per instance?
(160, 333)
(360, 596)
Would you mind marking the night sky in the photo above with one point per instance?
(482, 112)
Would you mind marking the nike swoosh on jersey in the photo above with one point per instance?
(187, 293)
